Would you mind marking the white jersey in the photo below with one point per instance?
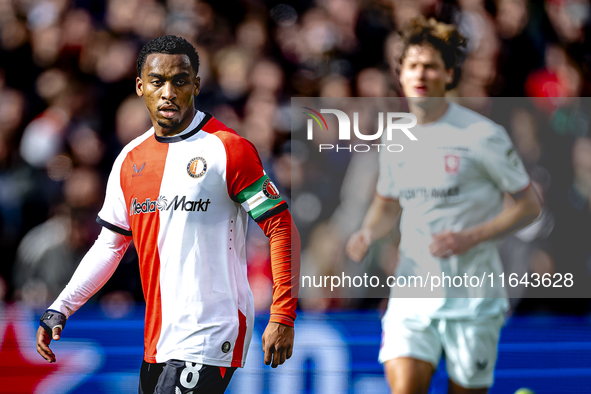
(452, 178)
(186, 200)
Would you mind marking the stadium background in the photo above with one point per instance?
(67, 106)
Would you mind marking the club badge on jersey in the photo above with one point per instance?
(270, 191)
(452, 164)
(197, 167)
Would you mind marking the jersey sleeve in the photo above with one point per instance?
(386, 186)
(113, 215)
(502, 162)
(284, 241)
(249, 185)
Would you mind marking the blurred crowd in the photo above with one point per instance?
(68, 106)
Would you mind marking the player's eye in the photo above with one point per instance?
(157, 82)
(181, 83)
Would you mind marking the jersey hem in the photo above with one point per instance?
(112, 227)
(408, 354)
(214, 362)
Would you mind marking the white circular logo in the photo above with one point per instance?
(197, 167)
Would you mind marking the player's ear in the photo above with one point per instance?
(139, 87)
(450, 76)
(197, 86)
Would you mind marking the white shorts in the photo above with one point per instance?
(470, 345)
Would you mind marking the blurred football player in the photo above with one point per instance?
(449, 188)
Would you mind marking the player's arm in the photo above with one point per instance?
(379, 221)
(92, 273)
(249, 186)
(525, 210)
(284, 241)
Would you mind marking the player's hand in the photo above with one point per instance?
(277, 343)
(358, 245)
(43, 341)
(448, 243)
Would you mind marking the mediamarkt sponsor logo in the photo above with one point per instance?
(393, 123)
(161, 204)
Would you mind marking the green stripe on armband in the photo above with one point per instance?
(250, 191)
(259, 197)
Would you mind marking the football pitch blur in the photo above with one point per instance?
(334, 353)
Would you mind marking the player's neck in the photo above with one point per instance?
(428, 114)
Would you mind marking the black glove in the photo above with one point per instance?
(51, 319)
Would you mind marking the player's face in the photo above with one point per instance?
(168, 84)
(423, 72)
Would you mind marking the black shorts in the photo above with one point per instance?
(183, 377)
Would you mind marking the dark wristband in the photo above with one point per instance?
(51, 319)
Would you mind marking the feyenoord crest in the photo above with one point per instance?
(270, 190)
(197, 167)
(452, 163)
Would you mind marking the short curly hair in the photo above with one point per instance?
(443, 37)
(171, 45)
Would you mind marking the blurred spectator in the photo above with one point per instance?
(335, 86)
(45, 261)
(267, 77)
(132, 119)
(233, 66)
(251, 34)
(568, 18)
(12, 110)
(371, 82)
(324, 256)
(521, 50)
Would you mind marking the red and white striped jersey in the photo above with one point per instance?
(185, 200)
